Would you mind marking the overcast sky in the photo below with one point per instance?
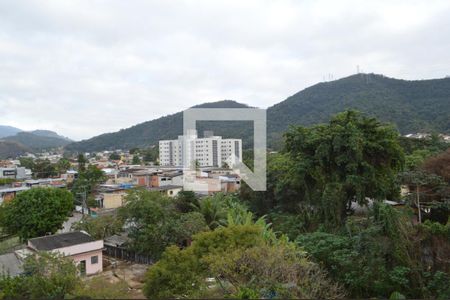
(83, 68)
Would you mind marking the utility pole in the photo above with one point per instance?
(418, 204)
(83, 200)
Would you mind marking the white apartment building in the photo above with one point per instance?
(209, 151)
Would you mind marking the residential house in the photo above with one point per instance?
(9, 193)
(112, 195)
(168, 190)
(78, 245)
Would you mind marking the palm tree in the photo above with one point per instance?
(213, 210)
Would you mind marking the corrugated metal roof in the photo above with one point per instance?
(62, 240)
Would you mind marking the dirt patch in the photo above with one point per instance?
(132, 274)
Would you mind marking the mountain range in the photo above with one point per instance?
(21, 142)
(412, 106)
(8, 131)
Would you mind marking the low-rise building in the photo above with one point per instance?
(9, 193)
(168, 190)
(18, 173)
(112, 196)
(78, 245)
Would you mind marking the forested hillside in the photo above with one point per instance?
(11, 149)
(412, 106)
(39, 141)
(168, 127)
(8, 130)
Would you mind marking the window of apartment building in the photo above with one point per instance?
(94, 260)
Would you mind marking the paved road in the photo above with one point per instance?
(68, 224)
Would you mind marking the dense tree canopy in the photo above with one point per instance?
(36, 212)
(243, 263)
(154, 222)
(87, 180)
(48, 276)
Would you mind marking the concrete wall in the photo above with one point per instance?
(90, 267)
(113, 200)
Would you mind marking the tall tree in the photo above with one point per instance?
(63, 165)
(43, 168)
(243, 263)
(36, 212)
(81, 162)
(114, 156)
(351, 158)
(48, 276)
(87, 180)
(136, 160)
(155, 223)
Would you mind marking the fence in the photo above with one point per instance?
(128, 255)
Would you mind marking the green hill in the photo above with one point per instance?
(39, 141)
(11, 149)
(49, 133)
(413, 106)
(8, 130)
(149, 133)
(421, 105)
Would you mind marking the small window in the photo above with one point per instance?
(94, 260)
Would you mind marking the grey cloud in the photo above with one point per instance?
(87, 67)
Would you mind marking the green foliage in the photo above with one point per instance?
(101, 226)
(47, 276)
(213, 210)
(87, 180)
(27, 162)
(101, 288)
(431, 145)
(154, 222)
(63, 165)
(37, 142)
(177, 273)
(151, 154)
(9, 244)
(11, 149)
(375, 257)
(436, 229)
(328, 166)
(81, 162)
(136, 160)
(114, 156)
(149, 133)
(36, 212)
(43, 168)
(242, 262)
(91, 202)
(6, 181)
(186, 201)
(415, 159)
(438, 285)
(134, 151)
(414, 106)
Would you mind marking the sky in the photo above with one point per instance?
(83, 68)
